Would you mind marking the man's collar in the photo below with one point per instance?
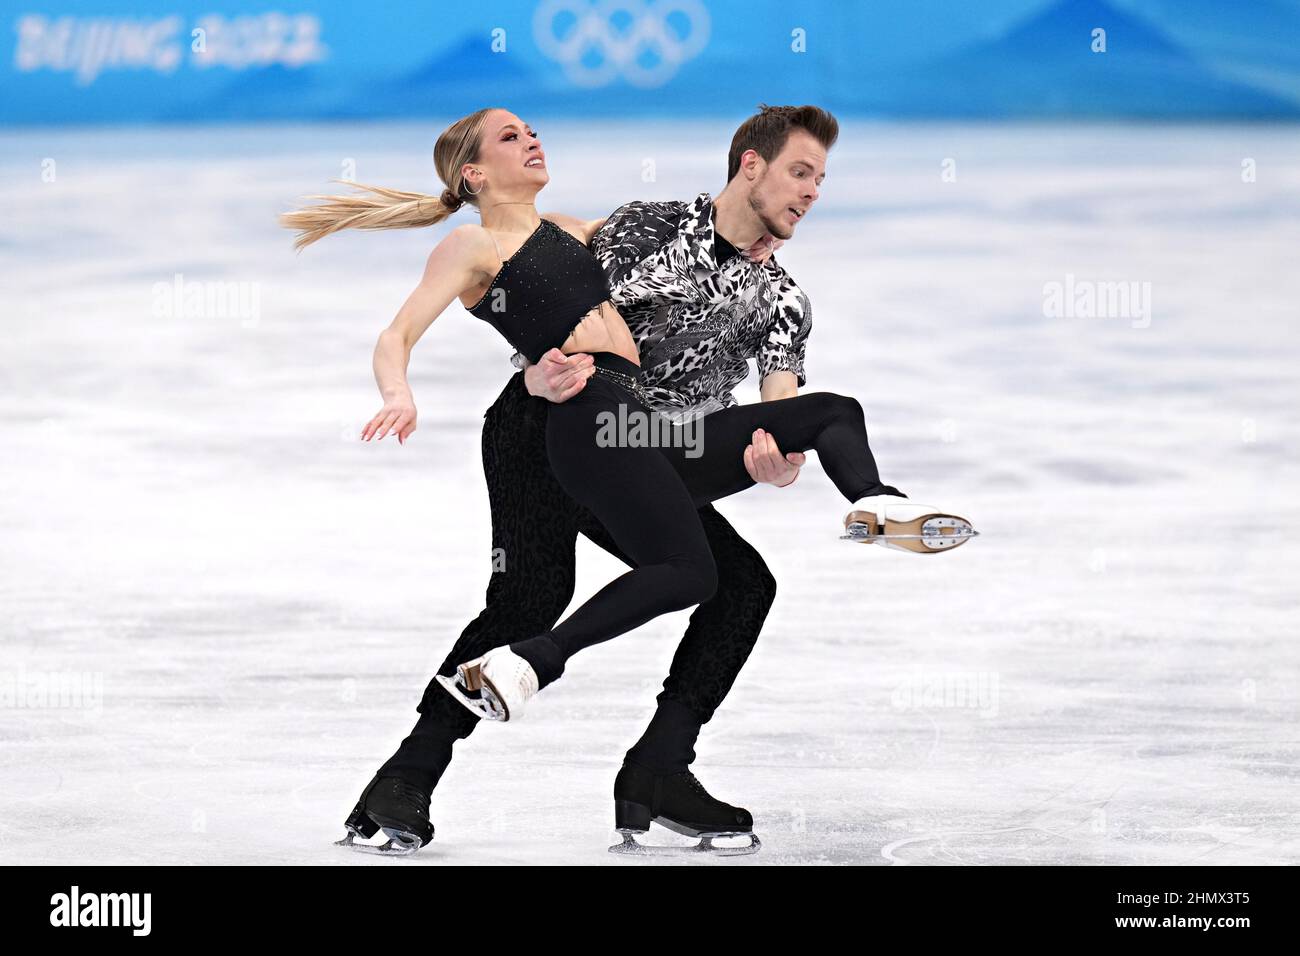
(700, 212)
(699, 231)
(702, 237)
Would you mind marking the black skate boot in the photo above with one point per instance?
(679, 802)
(398, 808)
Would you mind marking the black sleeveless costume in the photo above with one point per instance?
(534, 298)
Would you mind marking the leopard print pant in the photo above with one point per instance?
(536, 525)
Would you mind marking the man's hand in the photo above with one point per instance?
(766, 464)
(558, 377)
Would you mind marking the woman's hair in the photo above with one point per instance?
(376, 207)
(766, 132)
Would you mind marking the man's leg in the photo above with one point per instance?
(534, 532)
(718, 641)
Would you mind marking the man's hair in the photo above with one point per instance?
(766, 132)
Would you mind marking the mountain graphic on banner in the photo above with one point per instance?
(1046, 66)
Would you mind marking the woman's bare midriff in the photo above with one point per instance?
(602, 330)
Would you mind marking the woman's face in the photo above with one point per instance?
(510, 157)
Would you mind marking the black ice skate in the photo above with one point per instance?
(398, 808)
(679, 802)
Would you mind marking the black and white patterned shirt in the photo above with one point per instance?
(696, 324)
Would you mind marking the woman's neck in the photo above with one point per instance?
(508, 215)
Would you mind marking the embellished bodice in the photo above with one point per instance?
(543, 291)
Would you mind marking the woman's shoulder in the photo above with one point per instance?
(469, 243)
(466, 251)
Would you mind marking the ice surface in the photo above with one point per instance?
(251, 600)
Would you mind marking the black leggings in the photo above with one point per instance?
(647, 495)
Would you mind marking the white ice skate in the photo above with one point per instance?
(904, 525)
(495, 686)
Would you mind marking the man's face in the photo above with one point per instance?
(787, 187)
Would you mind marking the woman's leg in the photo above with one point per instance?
(535, 525)
(832, 425)
(636, 494)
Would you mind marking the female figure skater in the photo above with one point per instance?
(534, 280)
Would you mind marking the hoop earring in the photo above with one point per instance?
(472, 192)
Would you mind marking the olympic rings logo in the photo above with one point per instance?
(643, 41)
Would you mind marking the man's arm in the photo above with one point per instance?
(778, 385)
(781, 354)
(781, 367)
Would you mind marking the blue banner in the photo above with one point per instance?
(107, 62)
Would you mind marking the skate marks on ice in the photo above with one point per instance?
(1077, 832)
(1048, 828)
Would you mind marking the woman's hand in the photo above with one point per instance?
(397, 416)
(763, 248)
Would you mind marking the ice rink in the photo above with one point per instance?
(219, 608)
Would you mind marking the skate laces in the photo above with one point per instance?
(522, 675)
(694, 784)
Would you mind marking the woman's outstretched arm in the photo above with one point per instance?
(456, 265)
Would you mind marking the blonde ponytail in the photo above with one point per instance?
(387, 208)
(383, 208)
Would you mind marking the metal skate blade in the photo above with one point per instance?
(474, 704)
(942, 533)
(633, 847)
(398, 843)
(494, 708)
(869, 538)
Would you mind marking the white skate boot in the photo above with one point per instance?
(904, 525)
(495, 686)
